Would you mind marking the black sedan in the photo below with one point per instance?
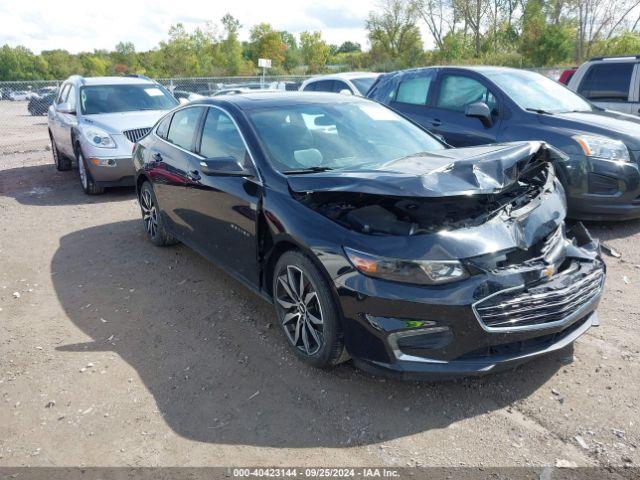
(481, 105)
(373, 239)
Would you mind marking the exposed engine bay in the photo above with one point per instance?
(395, 215)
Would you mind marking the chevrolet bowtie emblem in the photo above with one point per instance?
(549, 271)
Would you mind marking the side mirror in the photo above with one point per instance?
(481, 111)
(346, 91)
(224, 167)
(64, 107)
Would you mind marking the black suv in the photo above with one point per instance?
(480, 105)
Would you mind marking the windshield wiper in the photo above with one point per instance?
(539, 110)
(298, 171)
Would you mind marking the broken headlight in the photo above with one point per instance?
(422, 272)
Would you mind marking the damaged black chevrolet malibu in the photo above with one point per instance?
(373, 240)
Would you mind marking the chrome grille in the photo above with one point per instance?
(540, 306)
(136, 134)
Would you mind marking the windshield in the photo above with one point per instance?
(363, 84)
(533, 91)
(124, 98)
(348, 135)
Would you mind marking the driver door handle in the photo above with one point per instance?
(435, 122)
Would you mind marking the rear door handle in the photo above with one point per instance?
(157, 157)
(194, 175)
(435, 122)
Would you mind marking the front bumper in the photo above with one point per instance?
(413, 332)
(601, 189)
(110, 167)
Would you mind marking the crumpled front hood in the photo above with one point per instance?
(118, 122)
(453, 172)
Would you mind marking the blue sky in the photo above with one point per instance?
(77, 25)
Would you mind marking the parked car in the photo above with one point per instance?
(19, 95)
(355, 83)
(610, 82)
(5, 94)
(39, 105)
(95, 121)
(567, 75)
(479, 105)
(372, 238)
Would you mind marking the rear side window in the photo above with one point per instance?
(457, 92)
(323, 86)
(338, 86)
(415, 91)
(607, 82)
(183, 127)
(163, 127)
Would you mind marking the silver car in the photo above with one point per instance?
(95, 122)
(612, 83)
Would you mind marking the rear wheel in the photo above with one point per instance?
(88, 185)
(62, 162)
(152, 218)
(307, 311)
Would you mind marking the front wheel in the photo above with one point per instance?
(62, 162)
(88, 185)
(152, 218)
(307, 311)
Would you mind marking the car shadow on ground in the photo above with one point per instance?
(217, 365)
(43, 185)
(605, 231)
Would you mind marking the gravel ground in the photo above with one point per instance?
(119, 353)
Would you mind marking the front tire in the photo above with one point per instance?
(307, 311)
(61, 162)
(88, 185)
(152, 218)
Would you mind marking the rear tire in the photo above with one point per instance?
(61, 162)
(307, 311)
(152, 218)
(88, 185)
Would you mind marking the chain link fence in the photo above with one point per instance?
(24, 104)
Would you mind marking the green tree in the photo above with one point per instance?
(265, 42)
(349, 47)
(394, 34)
(541, 42)
(230, 48)
(314, 50)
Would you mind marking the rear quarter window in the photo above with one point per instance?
(607, 82)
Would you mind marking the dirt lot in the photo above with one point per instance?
(120, 353)
(21, 132)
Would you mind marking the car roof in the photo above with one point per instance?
(473, 68)
(344, 76)
(255, 101)
(114, 81)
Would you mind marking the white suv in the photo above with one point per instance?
(95, 121)
(610, 82)
(355, 83)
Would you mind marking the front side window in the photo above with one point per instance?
(96, 99)
(183, 127)
(607, 82)
(415, 90)
(220, 137)
(63, 94)
(457, 92)
(350, 135)
(71, 97)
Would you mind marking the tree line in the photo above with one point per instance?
(526, 33)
